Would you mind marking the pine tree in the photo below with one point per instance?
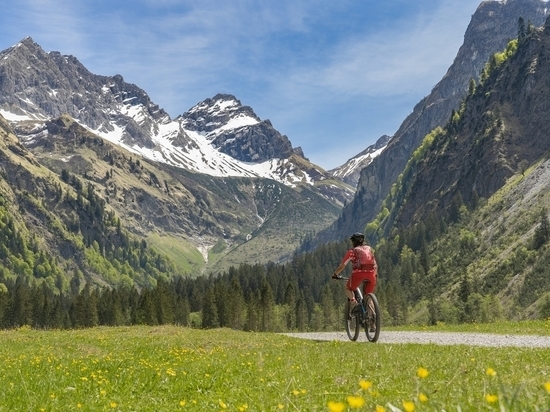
(465, 288)
(146, 309)
(165, 302)
(21, 304)
(302, 318)
(235, 299)
(222, 296)
(290, 303)
(209, 310)
(182, 311)
(522, 32)
(330, 314)
(542, 232)
(267, 306)
(252, 313)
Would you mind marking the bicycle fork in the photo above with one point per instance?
(361, 303)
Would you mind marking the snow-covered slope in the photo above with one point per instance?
(218, 137)
(350, 171)
(191, 149)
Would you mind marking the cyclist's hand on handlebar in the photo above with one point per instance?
(335, 276)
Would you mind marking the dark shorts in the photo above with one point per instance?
(358, 276)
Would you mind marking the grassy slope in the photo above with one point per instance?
(205, 210)
(181, 252)
(172, 368)
(492, 246)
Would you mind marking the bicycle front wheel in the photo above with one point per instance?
(372, 325)
(352, 323)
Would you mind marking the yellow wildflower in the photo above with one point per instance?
(355, 401)
(491, 372)
(491, 398)
(113, 405)
(281, 406)
(408, 406)
(422, 372)
(222, 405)
(365, 384)
(547, 386)
(380, 408)
(182, 403)
(422, 397)
(336, 406)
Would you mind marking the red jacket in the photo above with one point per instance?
(362, 258)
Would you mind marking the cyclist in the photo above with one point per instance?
(364, 267)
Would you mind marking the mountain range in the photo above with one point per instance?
(213, 137)
(52, 100)
(94, 173)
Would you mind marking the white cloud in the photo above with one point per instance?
(292, 61)
(406, 57)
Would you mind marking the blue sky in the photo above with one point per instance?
(331, 75)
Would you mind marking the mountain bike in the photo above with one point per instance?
(366, 314)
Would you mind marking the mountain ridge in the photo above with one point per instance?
(501, 127)
(38, 85)
(218, 159)
(491, 26)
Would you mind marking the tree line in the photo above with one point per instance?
(296, 296)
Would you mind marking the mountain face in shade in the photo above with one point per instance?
(492, 25)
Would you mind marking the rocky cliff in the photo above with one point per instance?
(501, 130)
(493, 24)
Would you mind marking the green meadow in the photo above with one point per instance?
(173, 368)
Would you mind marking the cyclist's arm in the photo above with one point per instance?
(345, 261)
(340, 268)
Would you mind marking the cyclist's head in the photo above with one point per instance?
(357, 239)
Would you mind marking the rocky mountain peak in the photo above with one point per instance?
(222, 112)
(501, 131)
(218, 137)
(492, 25)
(236, 130)
(39, 85)
(350, 171)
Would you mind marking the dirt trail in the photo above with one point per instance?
(438, 338)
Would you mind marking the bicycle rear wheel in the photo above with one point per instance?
(352, 323)
(372, 325)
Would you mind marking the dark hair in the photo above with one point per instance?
(357, 238)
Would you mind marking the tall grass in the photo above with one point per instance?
(170, 369)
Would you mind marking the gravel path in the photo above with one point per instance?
(437, 338)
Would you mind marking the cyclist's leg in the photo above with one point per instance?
(352, 284)
(370, 282)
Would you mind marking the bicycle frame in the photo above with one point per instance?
(369, 316)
